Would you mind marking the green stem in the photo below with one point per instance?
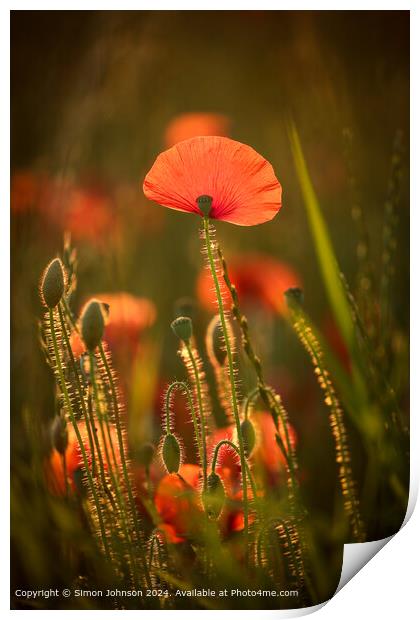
(79, 438)
(268, 395)
(79, 385)
(227, 442)
(249, 401)
(181, 385)
(113, 475)
(127, 480)
(231, 377)
(200, 411)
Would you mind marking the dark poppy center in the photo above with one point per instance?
(204, 203)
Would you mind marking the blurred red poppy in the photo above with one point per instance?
(194, 124)
(29, 190)
(54, 471)
(90, 216)
(128, 317)
(258, 278)
(242, 184)
(336, 341)
(267, 460)
(178, 502)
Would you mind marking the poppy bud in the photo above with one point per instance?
(214, 496)
(182, 327)
(248, 436)
(204, 203)
(53, 283)
(59, 434)
(294, 297)
(145, 454)
(93, 324)
(171, 453)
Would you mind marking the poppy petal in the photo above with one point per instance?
(242, 184)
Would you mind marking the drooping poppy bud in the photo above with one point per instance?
(248, 436)
(93, 324)
(53, 283)
(182, 327)
(214, 496)
(171, 453)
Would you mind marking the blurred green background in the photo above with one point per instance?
(92, 95)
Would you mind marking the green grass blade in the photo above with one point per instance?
(323, 245)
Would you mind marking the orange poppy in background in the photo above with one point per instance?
(177, 500)
(186, 126)
(266, 459)
(241, 183)
(178, 503)
(258, 278)
(29, 190)
(128, 316)
(90, 216)
(54, 470)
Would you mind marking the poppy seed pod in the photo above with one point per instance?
(93, 324)
(214, 496)
(182, 327)
(171, 453)
(204, 203)
(59, 434)
(248, 436)
(294, 297)
(53, 283)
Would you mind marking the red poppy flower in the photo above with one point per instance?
(54, 471)
(242, 184)
(258, 278)
(194, 124)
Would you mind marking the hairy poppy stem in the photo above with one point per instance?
(127, 480)
(79, 437)
(78, 383)
(227, 442)
(209, 248)
(113, 474)
(200, 436)
(269, 397)
(339, 432)
(200, 410)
